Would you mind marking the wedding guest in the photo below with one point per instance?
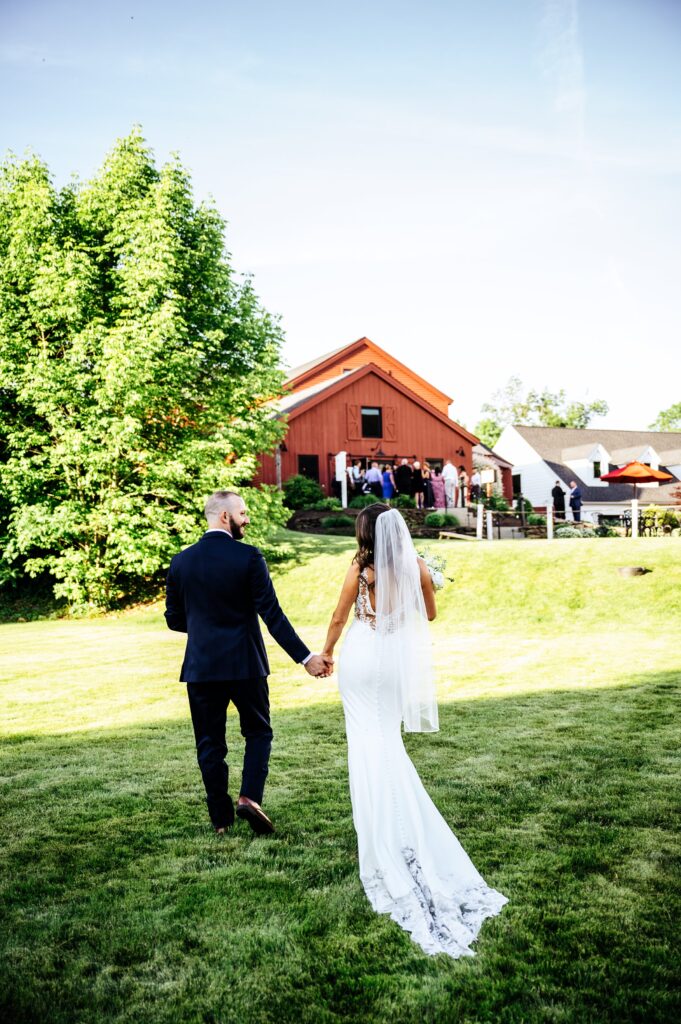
(388, 483)
(404, 478)
(575, 501)
(427, 489)
(356, 474)
(463, 486)
(475, 486)
(450, 478)
(439, 486)
(418, 483)
(375, 480)
(558, 495)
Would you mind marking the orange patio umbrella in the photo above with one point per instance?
(636, 473)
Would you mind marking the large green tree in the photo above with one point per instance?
(134, 370)
(668, 419)
(512, 404)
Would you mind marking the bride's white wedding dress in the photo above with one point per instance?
(411, 865)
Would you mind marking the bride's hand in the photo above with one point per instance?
(328, 660)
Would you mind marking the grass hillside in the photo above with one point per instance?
(557, 765)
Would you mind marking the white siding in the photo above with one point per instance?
(536, 479)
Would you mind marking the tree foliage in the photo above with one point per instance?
(134, 368)
(668, 419)
(533, 408)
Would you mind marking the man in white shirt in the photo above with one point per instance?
(450, 477)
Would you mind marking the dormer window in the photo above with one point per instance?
(597, 470)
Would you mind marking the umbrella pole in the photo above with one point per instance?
(634, 515)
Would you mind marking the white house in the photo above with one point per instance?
(543, 455)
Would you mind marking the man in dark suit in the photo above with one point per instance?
(558, 496)
(575, 501)
(404, 478)
(216, 589)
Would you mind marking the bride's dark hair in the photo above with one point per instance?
(365, 532)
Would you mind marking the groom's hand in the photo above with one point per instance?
(317, 666)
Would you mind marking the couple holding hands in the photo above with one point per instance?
(411, 865)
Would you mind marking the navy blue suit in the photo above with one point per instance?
(216, 589)
(576, 503)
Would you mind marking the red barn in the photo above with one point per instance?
(361, 400)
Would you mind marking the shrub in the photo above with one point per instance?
(606, 531)
(573, 530)
(403, 501)
(362, 500)
(496, 502)
(528, 505)
(327, 503)
(656, 517)
(535, 520)
(301, 492)
(439, 519)
(332, 522)
(434, 519)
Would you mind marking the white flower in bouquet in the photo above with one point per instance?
(436, 566)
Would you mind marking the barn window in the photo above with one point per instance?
(372, 425)
(308, 465)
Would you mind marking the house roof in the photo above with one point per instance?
(294, 398)
(298, 371)
(579, 451)
(482, 451)
(302, 401)
(631, 453)
(329, 357)
(552, 444)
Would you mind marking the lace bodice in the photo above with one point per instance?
(363, 610)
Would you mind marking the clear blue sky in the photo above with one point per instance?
(484, 188)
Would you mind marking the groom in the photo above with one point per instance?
(216, 589)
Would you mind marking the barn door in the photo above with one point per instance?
(354, 422)
(389, 423)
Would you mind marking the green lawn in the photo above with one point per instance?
(557, 765)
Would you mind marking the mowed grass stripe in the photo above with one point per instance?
(557, 765)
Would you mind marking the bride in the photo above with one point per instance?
(411, 865)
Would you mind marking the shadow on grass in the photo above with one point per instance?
(120, 903)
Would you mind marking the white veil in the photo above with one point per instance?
(402, 624)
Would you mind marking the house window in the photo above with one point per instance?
(308, 465)
(597, 470)
(372, 425)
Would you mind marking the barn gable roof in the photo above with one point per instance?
(306, 371)
(302, 401)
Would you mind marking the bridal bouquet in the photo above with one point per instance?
(436, 566)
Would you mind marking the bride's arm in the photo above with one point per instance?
(348, 596)
(428, 590)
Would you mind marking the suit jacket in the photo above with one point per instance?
(215, 591)
(404, 479)
(575, 498)
(558, 495)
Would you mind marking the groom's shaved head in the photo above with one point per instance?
(226, 510)
(220, 501)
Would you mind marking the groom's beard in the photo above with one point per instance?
(236, 531)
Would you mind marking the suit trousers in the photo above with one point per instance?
(208, 703)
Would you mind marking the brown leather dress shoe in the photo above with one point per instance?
(253, 813)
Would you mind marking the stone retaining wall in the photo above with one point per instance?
(309, 520)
